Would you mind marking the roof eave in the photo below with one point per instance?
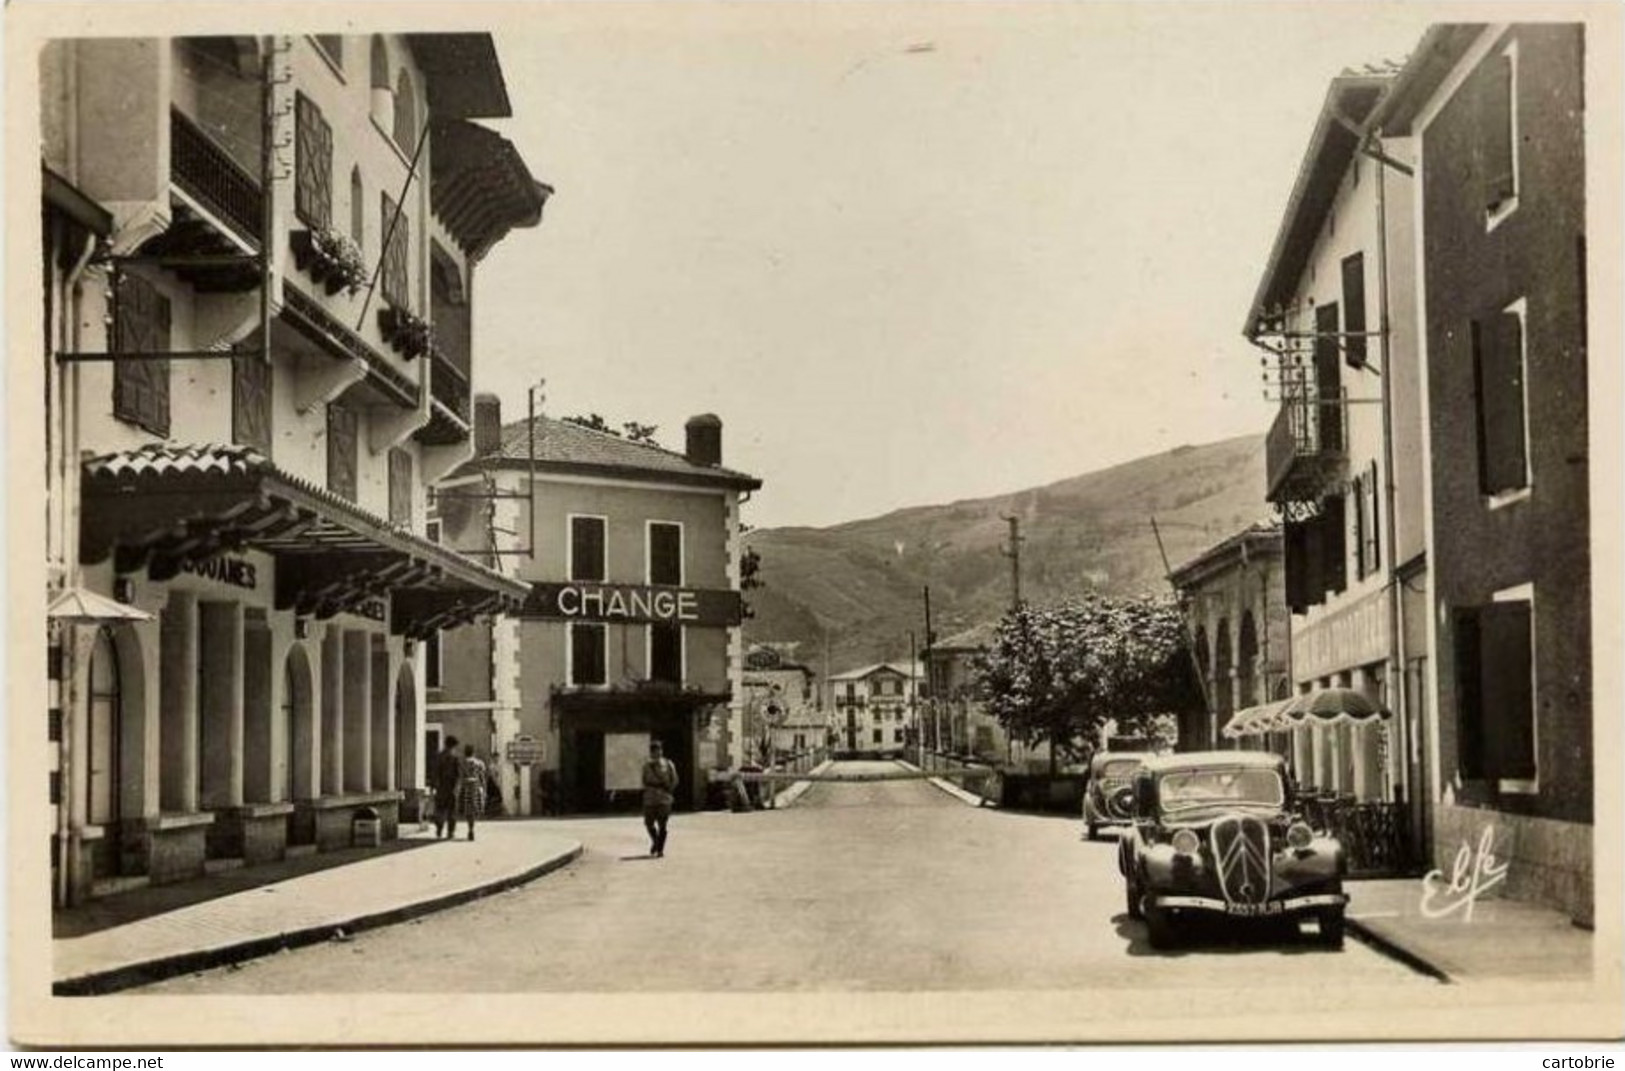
(1437, 53)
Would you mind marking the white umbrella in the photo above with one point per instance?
(82, 606)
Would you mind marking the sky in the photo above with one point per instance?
(909, 253)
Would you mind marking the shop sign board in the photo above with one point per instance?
(523, 750)
(1354, 636)
(634, 603)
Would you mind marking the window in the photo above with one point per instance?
(140, 325)
(897, 735)
(1498, 133)
(1354, 350)
(1495, 692)
(1334, 537)
(1328, 380)
(251, 403)
(665, 565)
(1498, 372)
(587, 548)
(400, 487)
(397, 230)
(406, 114)
(331, 46)
(358, 209)
(378, 61)
(880, 736)
(588, 648)
(342, 441)
(666, 653)
(313, 164)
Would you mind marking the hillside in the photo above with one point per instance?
(859, 584)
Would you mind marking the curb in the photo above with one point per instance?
(798, 789)
(1395, 950)
(134, 974)
(962, 795)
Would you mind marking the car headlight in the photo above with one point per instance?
(1299, 835)
(1186, 842)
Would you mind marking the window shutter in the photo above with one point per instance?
(141, 324)
(1328, 380)
(400, 487)
(1375, 533)
(587, 653)
(1498, 375)
(1295, 550)
(313, 164)
(1506, 691)
(341, 451)
(1334, 533)
(1495, 131)
(1469, 696)
(665, 554)
(395, 275)
(1354, 348)
(251, 403)
(586, 548)
(1314, 561)
(1359, 527)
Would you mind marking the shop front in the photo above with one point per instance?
(271, 697)
(604, 740)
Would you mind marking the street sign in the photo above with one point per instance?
(524, 750)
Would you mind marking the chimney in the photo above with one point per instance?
(487, 424)
(704, 439)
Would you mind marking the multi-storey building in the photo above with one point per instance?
(875, 707)
(1497, 116)
(632, 630)
(1335, 314)
(782, 712)
(257, 287)
(955, 709)
(1235, 610)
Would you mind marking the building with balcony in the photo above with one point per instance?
(632, 629)
(782, 712)
(1498, 119)
(1334, 313)
(258, 270)
(1233, 598)
(875, 707)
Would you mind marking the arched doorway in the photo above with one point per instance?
(1246, 659)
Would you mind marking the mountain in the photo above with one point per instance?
(859, 584)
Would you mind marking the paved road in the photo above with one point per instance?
(865, 886)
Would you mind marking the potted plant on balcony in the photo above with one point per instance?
(407, 333)
(330, 258)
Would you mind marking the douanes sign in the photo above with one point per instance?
(635, 604)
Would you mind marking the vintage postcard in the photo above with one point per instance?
(807, 523)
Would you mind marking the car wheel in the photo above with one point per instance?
(1159, 926)
(1331, 927)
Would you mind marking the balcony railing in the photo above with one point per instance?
(208, 174)
(448, 387)
(1304, 446)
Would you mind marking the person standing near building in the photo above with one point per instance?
(659, 793)
(446, 777)
(471, 794)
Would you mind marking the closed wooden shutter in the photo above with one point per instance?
(1507, 690)
(1359, 493)
(141, 324)
(1314, 561)
(313, 164)
(395, 274)
(1495, 103)
(342, 450)
(1295, 552)
(400, 487)
(1373, 529)
(665, 554)
(251, 403)
(1469, 695)
(586, 548)
(1328, 380)
(1498, 374)
(1354, 349)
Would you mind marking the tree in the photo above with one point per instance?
(1058, 673)
(641, 433)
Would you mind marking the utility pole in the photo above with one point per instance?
(931, 701)
(1013, 552)
(913, 697)
(1190, 643)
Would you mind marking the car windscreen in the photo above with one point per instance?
(1187, 789)
(1119, 769)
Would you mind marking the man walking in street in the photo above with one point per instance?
(446, 777)
(659, 793)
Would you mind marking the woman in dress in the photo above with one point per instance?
(471, 795)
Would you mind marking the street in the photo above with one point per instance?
(872, 886)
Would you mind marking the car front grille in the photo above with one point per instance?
(1241, 855)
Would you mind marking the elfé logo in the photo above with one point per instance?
(1472, 874)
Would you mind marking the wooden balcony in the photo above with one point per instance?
(1305, 449)
(449, 416)
(207, 174)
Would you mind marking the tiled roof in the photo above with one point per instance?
(865, 671)
(568, 447)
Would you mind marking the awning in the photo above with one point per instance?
(1256, 721)
(164, 506)
(83, 606)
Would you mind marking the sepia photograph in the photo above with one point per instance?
(813, 523)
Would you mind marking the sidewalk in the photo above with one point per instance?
(1502, 940)
(140, 936)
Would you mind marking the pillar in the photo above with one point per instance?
(357, 699)
(178, 712)
(220, 626)
(383, 721)
(260, 694)
(332, 712)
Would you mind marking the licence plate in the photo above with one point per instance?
(1253, 910)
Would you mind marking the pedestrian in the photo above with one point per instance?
(445, 776)
(471, 797)
(659, 793)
